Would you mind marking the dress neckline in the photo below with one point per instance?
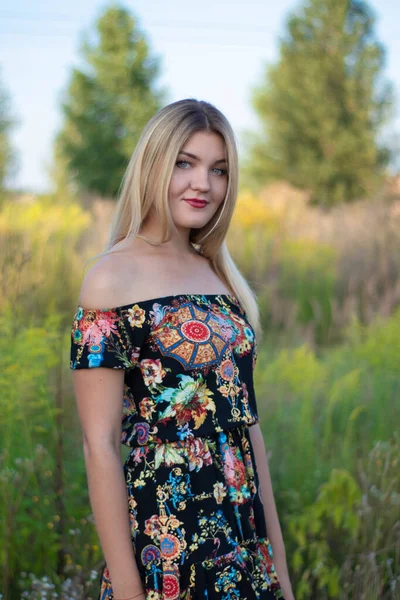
(170, 296)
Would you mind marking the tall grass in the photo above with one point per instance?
(323, 418)
(313, 270)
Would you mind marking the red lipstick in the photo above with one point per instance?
(196, 202)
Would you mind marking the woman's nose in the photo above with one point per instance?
(200, 180)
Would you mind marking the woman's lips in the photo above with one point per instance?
(196, 203)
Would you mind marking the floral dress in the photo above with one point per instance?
(197, 519)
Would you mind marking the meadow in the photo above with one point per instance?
(327, 383)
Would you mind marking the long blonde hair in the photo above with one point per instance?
(146, 182)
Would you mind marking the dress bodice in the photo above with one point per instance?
(188, 363)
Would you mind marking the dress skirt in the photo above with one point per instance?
(197, 520)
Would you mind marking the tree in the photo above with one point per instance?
(8, 161)
(323, 105)
(107, 104)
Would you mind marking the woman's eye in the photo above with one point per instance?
(180, 162)
(221, 171)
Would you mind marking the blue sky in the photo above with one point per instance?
(216, 51)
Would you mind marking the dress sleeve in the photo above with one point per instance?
(109, 338)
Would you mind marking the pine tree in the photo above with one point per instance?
(323, 105)
(107, 104)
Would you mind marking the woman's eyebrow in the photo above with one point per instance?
(220, 160)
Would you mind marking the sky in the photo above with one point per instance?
(214, 51)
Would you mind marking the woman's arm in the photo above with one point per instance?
(271, 515)
(99, 396)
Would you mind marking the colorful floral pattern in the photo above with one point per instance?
(196, 515)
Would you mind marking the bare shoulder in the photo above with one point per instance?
(111, 281)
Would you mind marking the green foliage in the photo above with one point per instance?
(46, 524)
(308, 276)
(315, 271)
(289, 395)
(338, 499)
(108, 103)
(44, 505)
(347, 538)
(323, 104)
(343, 411)
(333, 514)
(33, 257)
(371, 568)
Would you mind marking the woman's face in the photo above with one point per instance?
(199, 180)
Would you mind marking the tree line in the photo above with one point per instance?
(322, 107)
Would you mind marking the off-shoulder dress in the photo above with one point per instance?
(197, 519)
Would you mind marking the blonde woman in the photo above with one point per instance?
(163, 350)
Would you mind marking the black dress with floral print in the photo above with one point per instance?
(196, 515)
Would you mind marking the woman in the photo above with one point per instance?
(164, 339)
